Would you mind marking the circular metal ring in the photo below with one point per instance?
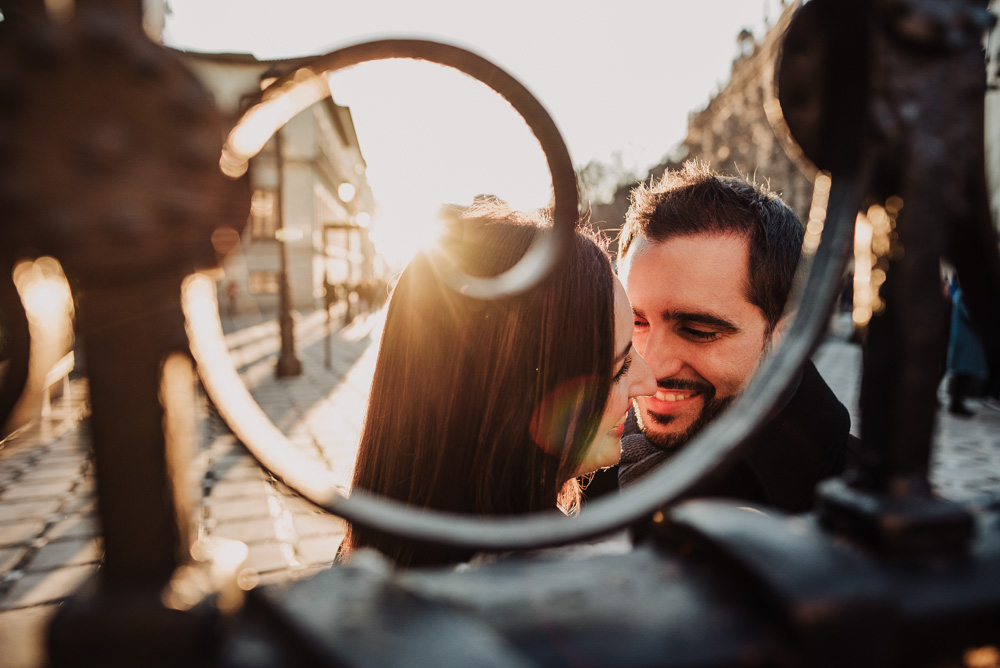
(307, 85)
(709, 454)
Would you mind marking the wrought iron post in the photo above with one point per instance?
(328, 320)
(921, 138)
(109, 163)
(288, 363)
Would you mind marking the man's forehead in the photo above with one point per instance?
(698, 269)
(707, 246)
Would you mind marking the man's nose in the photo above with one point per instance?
(662, 355)
(644, 382)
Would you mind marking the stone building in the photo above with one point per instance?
(309, 192)
(734, 132)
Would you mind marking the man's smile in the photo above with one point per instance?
(670, 402)
(674, 395)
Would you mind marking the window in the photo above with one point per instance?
(264, 282)
(263, 214)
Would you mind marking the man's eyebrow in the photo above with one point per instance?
(702, 318)
(623, 354)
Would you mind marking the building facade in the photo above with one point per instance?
(311, 205)
(735, 132)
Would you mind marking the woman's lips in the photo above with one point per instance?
(619, 429)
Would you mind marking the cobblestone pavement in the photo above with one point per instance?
(49, 539)
(965, 462)
(50, 543)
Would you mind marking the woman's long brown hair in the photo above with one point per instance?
(486, 407)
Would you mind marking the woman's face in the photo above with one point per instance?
(632, 378)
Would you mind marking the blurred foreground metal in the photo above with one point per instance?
(109, 162)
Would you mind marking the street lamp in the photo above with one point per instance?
(288, 363)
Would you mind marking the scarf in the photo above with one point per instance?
(639, 456)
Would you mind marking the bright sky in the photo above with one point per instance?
(618, 78)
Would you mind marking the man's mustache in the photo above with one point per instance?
(699, 386)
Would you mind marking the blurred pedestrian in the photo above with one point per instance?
(330, 296)
(945, 296)
(966, 360)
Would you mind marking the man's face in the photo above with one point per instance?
(695, 328)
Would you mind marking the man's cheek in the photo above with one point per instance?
(730, 368)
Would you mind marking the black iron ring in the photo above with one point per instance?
(715, 449)
(307, 85)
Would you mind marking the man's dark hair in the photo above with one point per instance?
(696, 200)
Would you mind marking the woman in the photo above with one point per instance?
(495, 407)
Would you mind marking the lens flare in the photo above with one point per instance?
(556, 419)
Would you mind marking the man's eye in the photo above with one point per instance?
(699, 334)
(639, 323)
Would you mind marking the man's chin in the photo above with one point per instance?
(664, 431)
(669, 432)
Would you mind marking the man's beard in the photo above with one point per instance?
(711, 407)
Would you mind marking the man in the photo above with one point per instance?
(707, 262)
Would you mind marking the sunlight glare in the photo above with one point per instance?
(399, 238)
(48, 305)
(432, 136)
(44, 291)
